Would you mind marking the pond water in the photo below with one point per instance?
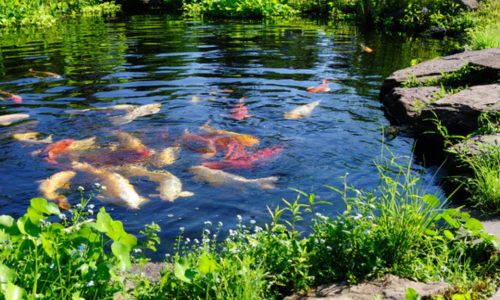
(183, 65)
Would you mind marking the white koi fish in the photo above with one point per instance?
(9, 119)
(117, 186)
(221, 178)
(141, 111)
(166, 157)
(31, 138)
(301, 111)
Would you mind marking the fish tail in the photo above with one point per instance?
(267, 182)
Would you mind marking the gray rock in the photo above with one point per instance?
(405, 104)
(434, 68)
(390, 288)
(468, 4)
(459, 112)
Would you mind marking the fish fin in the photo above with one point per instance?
(207, 156)
(186, 194)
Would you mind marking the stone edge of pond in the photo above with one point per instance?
(458, 112)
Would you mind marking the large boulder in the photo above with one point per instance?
(468, 4)
(433, 68)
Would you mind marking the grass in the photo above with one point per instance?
(397, 228)
(484, 37)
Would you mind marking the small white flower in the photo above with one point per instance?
(78, 205)
(290, 261)
(91, 283)
(196, 241)
(97, 185)
(357, 192)
(91, 206)
(328, 247)
(357, 217)
(258, 229)
(220, 223)
(167, 254)
(252, 221)
(104, 188)
(207, 231)
(188, 240)
(239, 217)
(372, 206)
(322, 240)
(62, 216)
(70, 211)
(218, 280)
(181, 228)
(366, 232)
(81, 189)
(208, 223)
(271, 283)
(90, 211)
(51, 266)
(38, 296)
(316, 241)
(137, 250)
(81, 247)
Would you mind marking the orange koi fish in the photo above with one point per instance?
(239, 111)
(257, 159)
(223, 138)
(50, 74)
(53, 150)
(366, 49)
(198, 143)
(48, 187)
(13, 97)
(322, 88)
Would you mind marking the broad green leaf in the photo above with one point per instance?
(6, 275)
(181, 271)
(448, 234)
(430, 232)
(76, 296)
(34, 216)
(473, 224)
(411, 294)
(452, 222)
(4, 237)
(47, 244)
(27, 227)
(103, 221)
(414, 62)
(6, 221)
(42, 206)
(207, 265)
(14, 292)
(122, 252)
(87, 234)
(432, 200)
(116, 233)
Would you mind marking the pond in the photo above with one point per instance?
(198, 71)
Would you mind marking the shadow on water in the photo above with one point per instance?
(180, 64)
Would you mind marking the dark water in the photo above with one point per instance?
(157, 60)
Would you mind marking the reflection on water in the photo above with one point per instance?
(199, 71)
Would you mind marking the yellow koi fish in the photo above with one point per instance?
(6, 120)
(221, 178)
(48, 187)
(31, 138)
(301, 111)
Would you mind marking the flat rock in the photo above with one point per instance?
(468, 4)
(433, 68)
(459, 112)
(404, 104)
(473, 145)
(389, 288)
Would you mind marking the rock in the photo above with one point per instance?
(473, 145)
(436, 32)
(390, 288)
(404, 104)
(468, 4)
(459, 112)
(434, 68)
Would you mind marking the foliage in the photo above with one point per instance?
(484, 37)
(234, 8)
(46, 12)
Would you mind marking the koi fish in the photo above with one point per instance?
(239, 111)
(53, 150)
(13, 97)
(221, 178)
(224, 138)
(301, 111)
(45, 73)
(195, 99)
(322, 88)
(170, 187)
(219, 91)
(117, 186)
(6, 120)
(366, 49)
(130, 142)
(257, 159)
(31, 138)
(141, 111)
(118, 107)
(82, 144)
(166, 157)
(198, 143)
(48, 187)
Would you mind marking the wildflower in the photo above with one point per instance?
(207, 231)
(220, 223)
(271, 283)
(90, 211)
(81, 247)
(181, 228)
(218, 280)
(91, 206)
(425, 10)
(70, 211)
(97, 185)
(232, 232)
(253, 244)
(258, 229)
(81, 189)
(91, 283)
(290, 261)
(62, 216)
(196, 241)
(372, 206)
(366, 232)
(239, 217)
(78, 205)
(357, 217)
(51, 266)
(252, 221)
(167, 254)
(322, 240)
(188, 240)
(104, 188)
(316, 241)
(137, 250)
(208, 223)
(357, 191)
(328, 248)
